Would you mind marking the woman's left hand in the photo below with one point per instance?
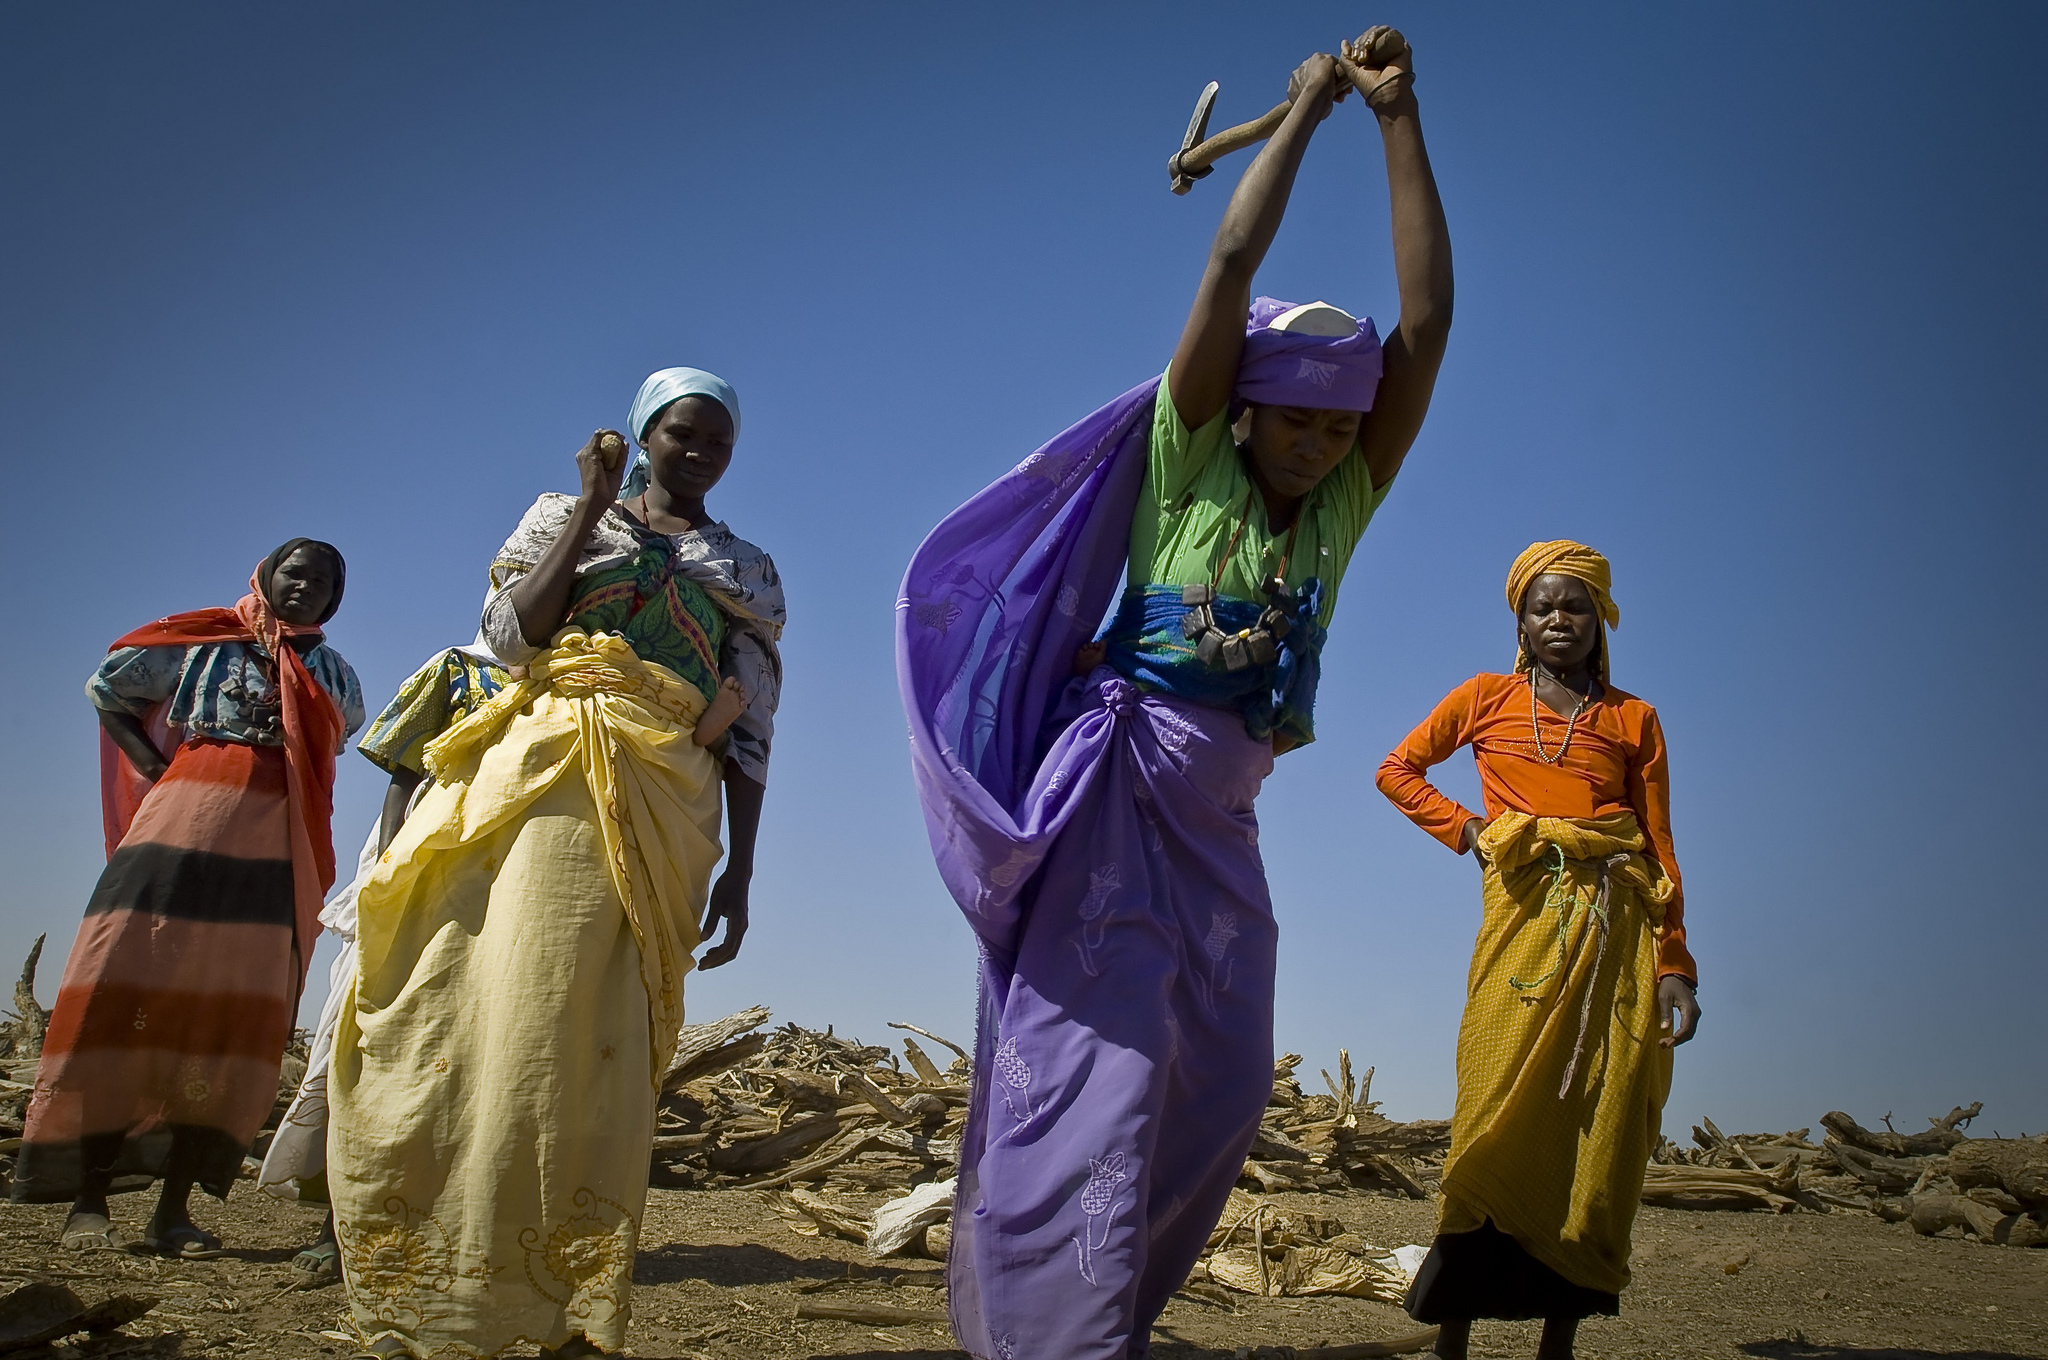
(1675, 994)
(1319, 81)
(728, 903)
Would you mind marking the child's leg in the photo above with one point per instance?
(1453, 1336)
(726, 705)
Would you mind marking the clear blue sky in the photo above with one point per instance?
(1752, 300)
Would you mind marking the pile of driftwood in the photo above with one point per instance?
(1995, 1189)
(1341, 1142)
(21, 1045)
(845, 1139)
(748, 1109)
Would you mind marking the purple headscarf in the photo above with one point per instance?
(1000, 594)
(1287, 368)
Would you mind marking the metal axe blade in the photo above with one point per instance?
(1198, 128)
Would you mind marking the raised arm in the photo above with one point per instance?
(1205, 362)
(1422, 255)
(541, 597)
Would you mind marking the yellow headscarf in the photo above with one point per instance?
(1563, 557)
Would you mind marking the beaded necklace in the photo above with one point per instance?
(1536, 728)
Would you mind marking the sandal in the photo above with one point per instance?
(384, 1348)
(318, 1265)
(575, 1348)
(92, 1232)
(186, 1242)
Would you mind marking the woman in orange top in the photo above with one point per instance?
(1562, 1073)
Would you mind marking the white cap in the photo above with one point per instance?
(1315, 318)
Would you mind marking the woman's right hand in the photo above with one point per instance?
(1379, 65)
(601, 463)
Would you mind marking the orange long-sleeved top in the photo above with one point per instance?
(1616, 763)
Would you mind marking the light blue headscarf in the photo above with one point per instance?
(657, 392)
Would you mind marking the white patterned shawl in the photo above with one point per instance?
(738, 576)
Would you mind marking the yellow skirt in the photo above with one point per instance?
(523, 947)
(1561, 1073)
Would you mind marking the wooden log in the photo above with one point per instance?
(759, 1154)
(859, 1085)
(1936, 1140)
(920, 1062)
(1890, 1174)
(2018, 1166)
(944, 1151)
(713, 1061)
(1704, 1187)
(1931, 1214)
(849, 1146)
(699, 1042)
(1390, 1170)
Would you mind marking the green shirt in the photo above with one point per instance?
(1195, 494)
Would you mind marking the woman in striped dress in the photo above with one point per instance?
(217, 770)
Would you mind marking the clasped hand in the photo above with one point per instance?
(1378, 64)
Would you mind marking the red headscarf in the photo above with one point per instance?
(312, 734)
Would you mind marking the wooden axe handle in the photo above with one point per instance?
(1198, 158)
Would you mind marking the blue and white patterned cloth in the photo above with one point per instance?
(218, 689)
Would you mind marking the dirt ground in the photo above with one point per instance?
(719, 1275)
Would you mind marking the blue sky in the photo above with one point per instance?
(1754, 305)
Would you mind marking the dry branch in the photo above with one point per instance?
(30, 1021)
(1935, 1141)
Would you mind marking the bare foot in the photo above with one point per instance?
(727, 704)
(88, 1231)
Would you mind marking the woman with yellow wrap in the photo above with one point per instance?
(1581, 984)
(524, 938)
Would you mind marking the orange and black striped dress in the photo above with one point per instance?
(180, 992)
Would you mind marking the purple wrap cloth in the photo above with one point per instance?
(1102, 843)
(1279, 368)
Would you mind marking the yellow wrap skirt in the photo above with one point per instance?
(523, 947)
(1561, 1072)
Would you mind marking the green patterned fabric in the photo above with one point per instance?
(668, 618)
(440, 694)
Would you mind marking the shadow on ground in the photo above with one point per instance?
(1806, 1350)
(748, 1263)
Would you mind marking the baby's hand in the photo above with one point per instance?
(1088, 656)
(727, 704)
